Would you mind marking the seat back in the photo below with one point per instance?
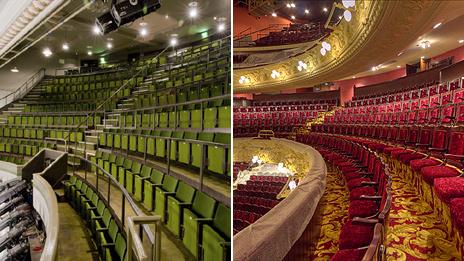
(203, 205)
(221, 220)
(185, 192)
(169, 183)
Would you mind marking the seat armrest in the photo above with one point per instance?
(102, 229)
(144, 178)
(168, 193)
(108, 245)
(437, 149)
(454, 156)
(204, 220)
(371, 197)
(422, 144)
(184, 204)
(365, 220)
(369, 183)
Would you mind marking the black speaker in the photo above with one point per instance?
(127, 11)
(106, 23)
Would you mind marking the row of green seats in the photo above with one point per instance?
(23, 147)
(106, 233)
(92, 78)
(198, 220)
(64, 120)
(164, 98)
(23, 132)
(86, 95)
(214, 117)
(13, 159)
(70, 106)
(183, 148)
(74, 87)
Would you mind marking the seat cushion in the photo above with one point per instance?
(396, 153)
(354, 183)
(457, 213)
(430, 173)
(418, 164)
(377, 146)
(346, 169)
(349, 255)
(389, 150)
(354, 235)
(407, 157)
(356, 193)
(352, 175)
(449, 188)
(362, 208)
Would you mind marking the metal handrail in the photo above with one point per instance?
(23, 89)
(124, 193)
(132, 238)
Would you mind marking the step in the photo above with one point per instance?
(87, 144)
(60, 195)
(92, 139)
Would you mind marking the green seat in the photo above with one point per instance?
(224, 117)
(196, 148)
(139, 180)
(185, 147)
(130, 175)
(169, 186)
(202, 210)
(219, 157)
(161, 144)
(210, 118)
(122, 171)
(149, 185)
(216, 236)
(107, 163)
(67, 186)
(116, 165)
(195, 119)
(116, 251)
(182, 198)
(174, 144)
(184, 119)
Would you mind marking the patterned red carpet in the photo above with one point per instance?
(414, 231)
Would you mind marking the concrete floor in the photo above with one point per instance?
(169, 249)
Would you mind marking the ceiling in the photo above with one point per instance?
(172, 18)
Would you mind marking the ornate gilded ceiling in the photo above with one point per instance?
(377, 32)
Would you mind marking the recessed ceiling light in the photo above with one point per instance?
(274, 14)
(221, 27)
(325, 9)
(173, 41)
(353, 77)
(400, 53)
(15, 69)
(288, 5)
(340, 17)
(193, 11)
(306, 11)
(347, 15)
(292, 5)
(422, 57)
(436, 26)
(65, 46)
(143, 31)
(47, 52)
(398, 66)
(166, 17)
(109, 45)
(89, 53)
(96, 30)
(143, 23)
(293, 17)
(461, 41)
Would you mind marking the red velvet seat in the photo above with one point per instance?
(417, 165)
(354, 183)
(349, 255)
(362, 208)
(449, 188)
(457, 213)
(352, 175)
(396, 153)
(408, 157)
(389, 150)
(354, 235)
(432, 172)
(356, 193)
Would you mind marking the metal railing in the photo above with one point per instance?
(23, 89)
(109, 187)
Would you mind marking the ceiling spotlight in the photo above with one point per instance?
(221, 27)
(306, 11)
(96, 30)
(461, 41)
(166, 17)
(347, 15)
(353, 77)
(400, 53)
(422, 57)
(65, 46)
(348, 3)
(323, 51)
(292, 5)
(436, 26)
(109, 45)
(143, 23)
(340, 17)
(173, 41)
(302, 66)
(143, 32)
(15, 69)
(47, 52)
(375, 68)
(193, 11)
(89, 53)
(274, 14)
(275, 74)
(288, 5)
(324, 9)
(293, 17)
(424, 44)
(243, 80)
(398, 66)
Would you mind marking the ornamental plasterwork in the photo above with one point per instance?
(354, 44)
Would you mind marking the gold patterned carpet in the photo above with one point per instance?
(334, 205)
(414, 232)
